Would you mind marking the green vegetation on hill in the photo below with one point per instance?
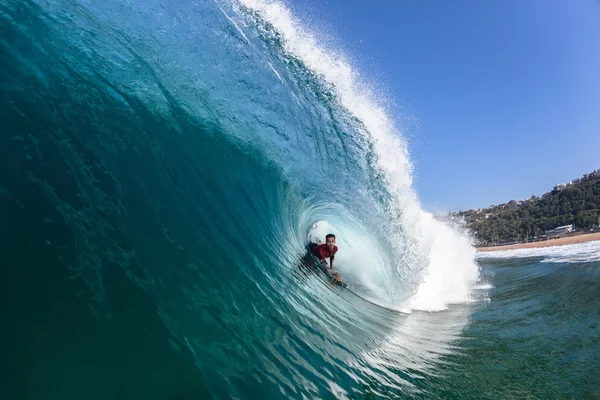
(577, 203)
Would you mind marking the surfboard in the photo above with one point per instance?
(314, 238)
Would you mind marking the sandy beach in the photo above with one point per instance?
(547, 243)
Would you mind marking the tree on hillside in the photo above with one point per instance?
(577, 204)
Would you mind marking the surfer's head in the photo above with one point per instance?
(330, 240)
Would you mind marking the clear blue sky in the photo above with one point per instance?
(505, 94)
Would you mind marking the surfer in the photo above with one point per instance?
(326, 250)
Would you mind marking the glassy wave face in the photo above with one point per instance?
(161, 166)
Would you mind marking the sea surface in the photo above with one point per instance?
(160, 166)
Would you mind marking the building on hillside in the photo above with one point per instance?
(592, 175)
(560, 230)
(562, 186)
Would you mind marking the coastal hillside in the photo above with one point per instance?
(576, 202)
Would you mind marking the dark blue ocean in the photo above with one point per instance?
(160, 166)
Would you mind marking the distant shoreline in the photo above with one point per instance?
(588, 237)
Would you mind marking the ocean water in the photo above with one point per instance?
(160, 166)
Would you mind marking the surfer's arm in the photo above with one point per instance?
(331, 261)
(322, 260)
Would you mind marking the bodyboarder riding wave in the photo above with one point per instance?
(326, 250)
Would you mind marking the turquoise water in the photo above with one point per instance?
(160, 167)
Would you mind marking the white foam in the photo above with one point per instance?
(437, 259)
(570, 253)
(483, 286)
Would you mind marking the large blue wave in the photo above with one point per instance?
(192, 145)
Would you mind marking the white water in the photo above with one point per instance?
(571, 253)
(436, 258)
